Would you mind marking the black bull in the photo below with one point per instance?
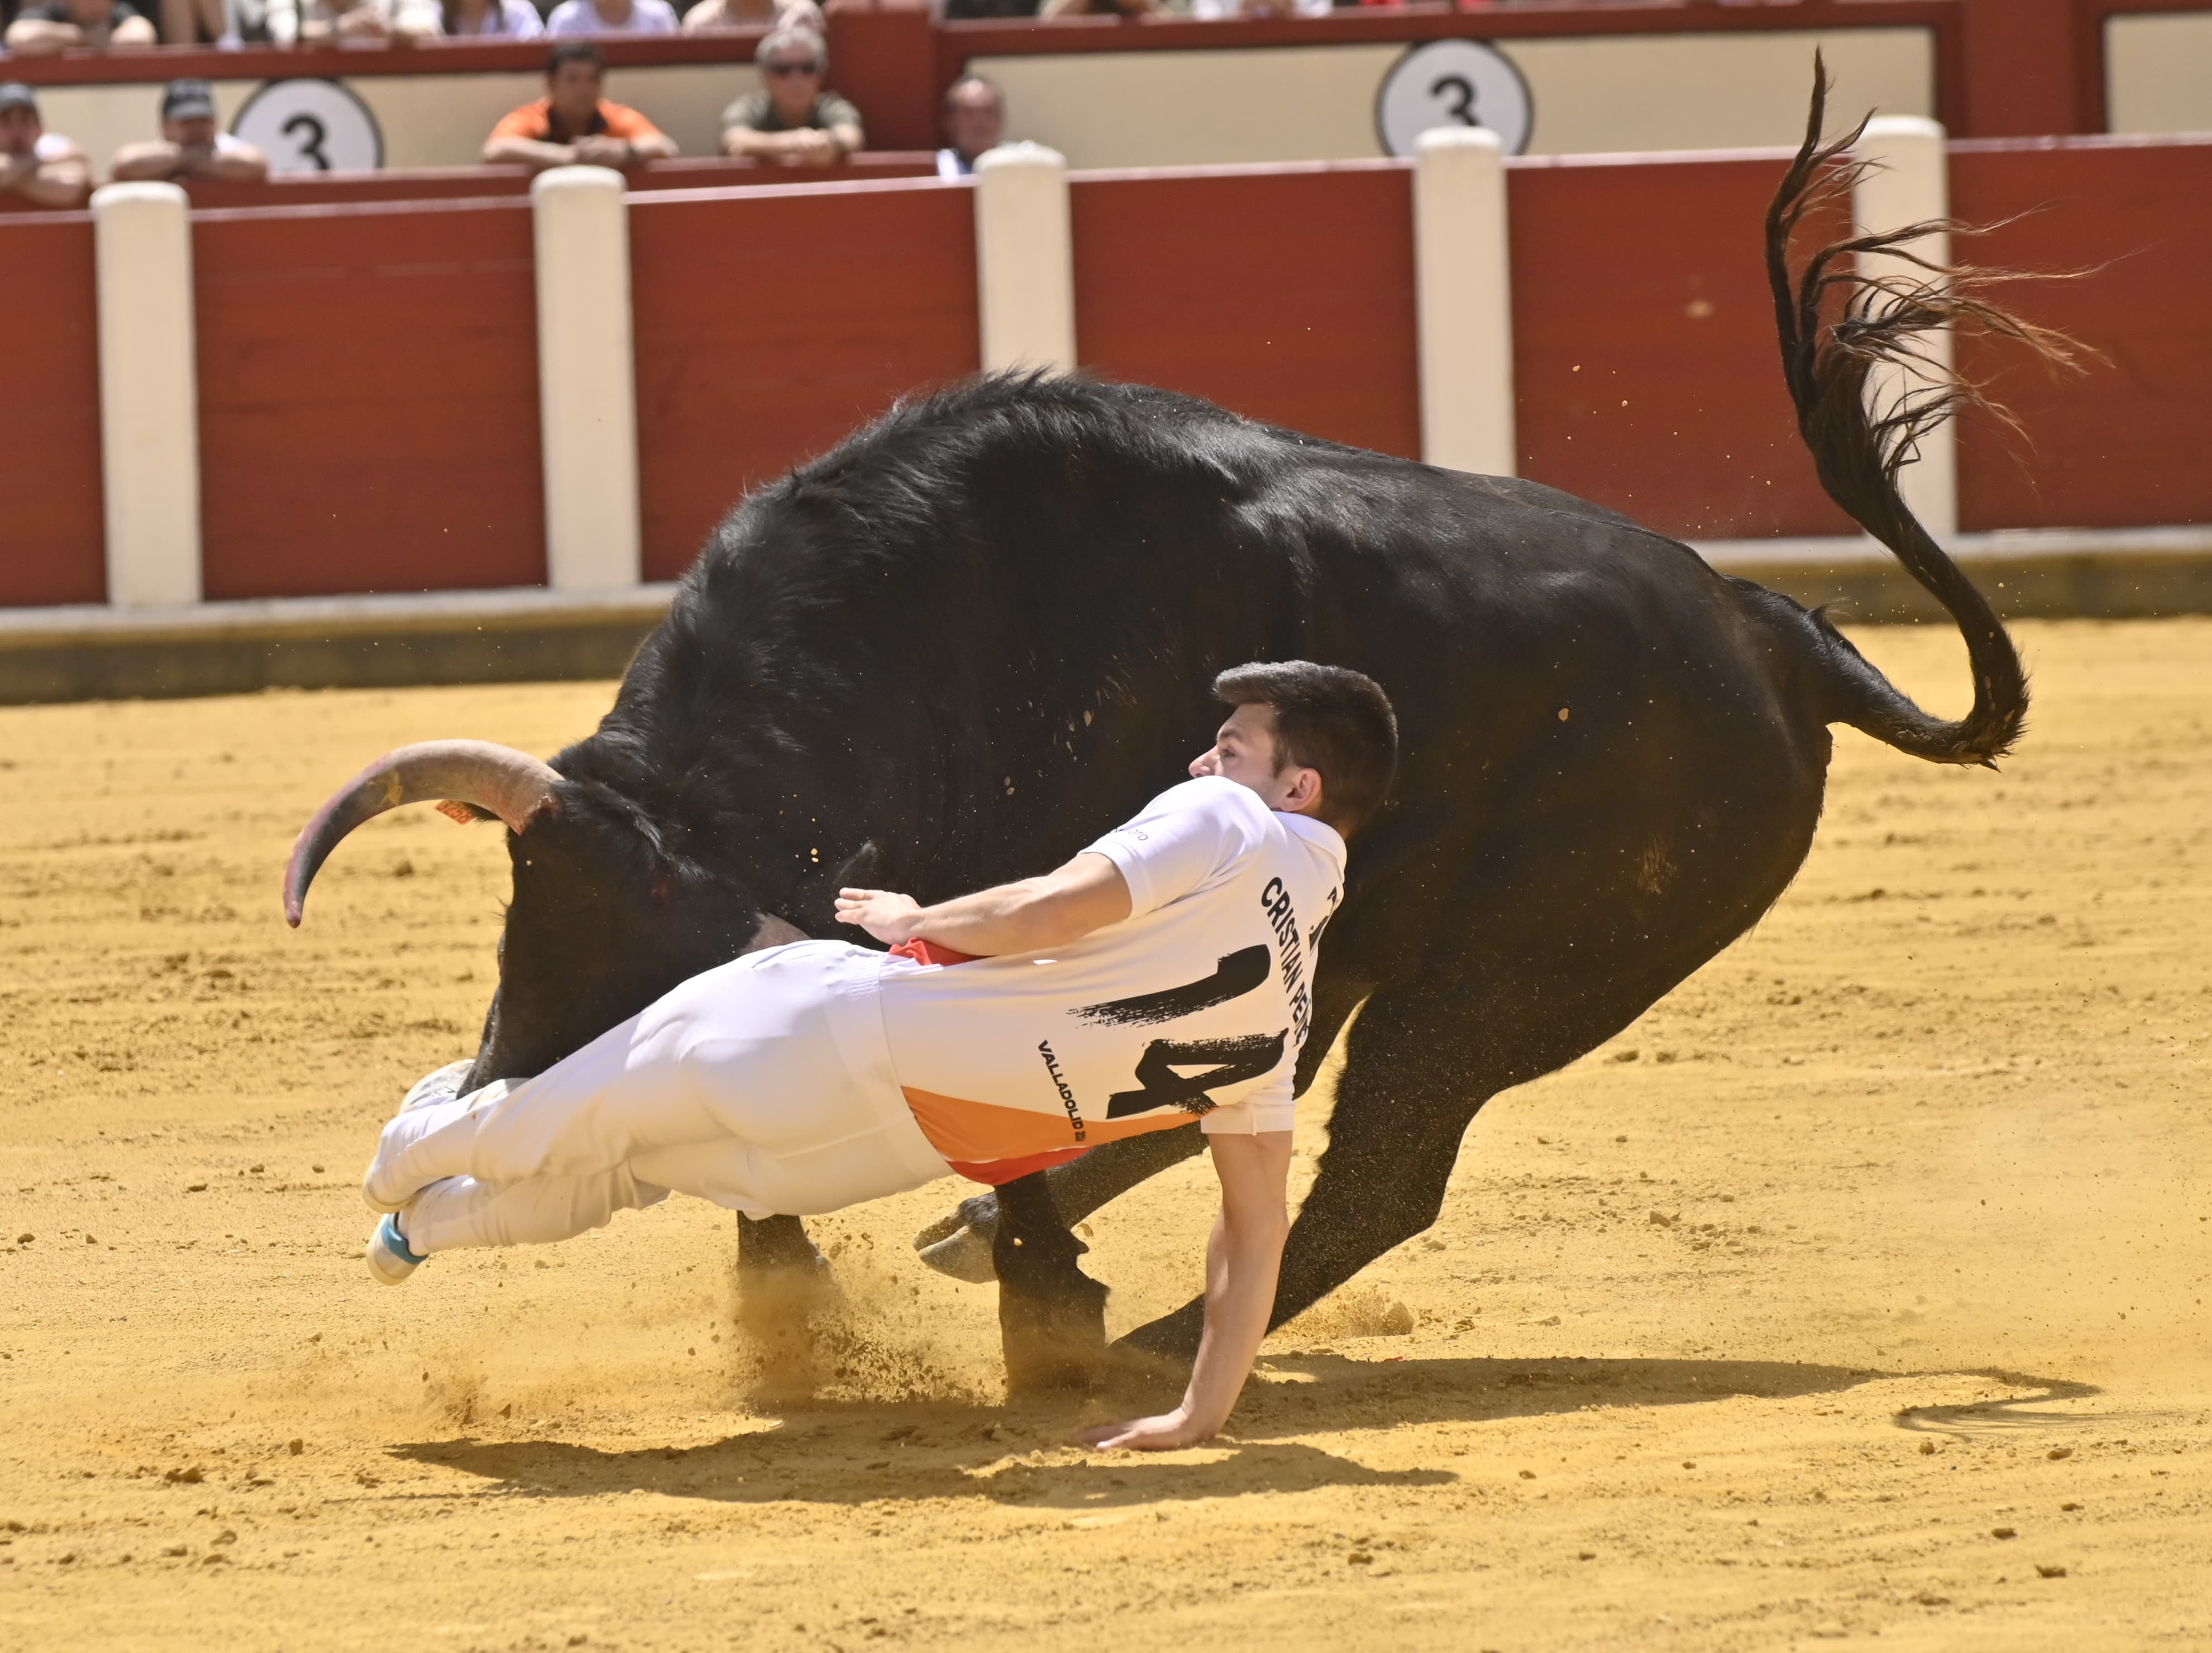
(982, 631)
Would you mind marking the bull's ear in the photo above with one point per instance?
(465, 814)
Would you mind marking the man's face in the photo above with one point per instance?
(1244, 750)
(575, 89)
(90, 13)
(19, 130)
(794, 81)
(973, 120)
(192, 132)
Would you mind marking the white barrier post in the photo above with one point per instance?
(1025, 258)
(1464, 286)
(587, 381)
(1911, 184)
(149, 439)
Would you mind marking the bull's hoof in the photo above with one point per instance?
(1057, 1344)
(965, 1256)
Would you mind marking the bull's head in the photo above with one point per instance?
(606, 916)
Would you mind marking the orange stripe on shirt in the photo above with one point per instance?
(975, 1132)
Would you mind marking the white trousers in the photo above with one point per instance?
(764, 1086)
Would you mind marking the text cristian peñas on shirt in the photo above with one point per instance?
(1195, 1006)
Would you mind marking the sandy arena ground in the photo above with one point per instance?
(1858, 1290)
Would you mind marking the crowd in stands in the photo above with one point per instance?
(34, 27)
(796, 120)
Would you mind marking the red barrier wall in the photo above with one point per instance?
(770, 322)
(1643, 352)
(52, 529)
(1286, 294)
(475, 183)
(2129, 441)
(368, 399)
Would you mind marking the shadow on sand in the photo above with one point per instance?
(860, 1451)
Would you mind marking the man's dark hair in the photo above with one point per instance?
(1326, 718)
(575, 52)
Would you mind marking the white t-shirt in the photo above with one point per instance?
(579, 17)
(1194, 1006)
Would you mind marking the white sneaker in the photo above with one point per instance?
(389, 1260)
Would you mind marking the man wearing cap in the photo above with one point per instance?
(191, 146)
(44, 167)
(573, 125)
(77, 25)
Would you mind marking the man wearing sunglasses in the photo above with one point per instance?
(793, 123)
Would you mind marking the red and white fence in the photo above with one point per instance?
(487, 393)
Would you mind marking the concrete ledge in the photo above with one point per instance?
(2107, 573)
(526, 635)
(322, 642)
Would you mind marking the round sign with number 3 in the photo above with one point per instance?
(1453, 84)
(311, 126)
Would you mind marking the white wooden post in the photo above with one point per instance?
(1911, 184)
(1025, 258)
(1464, 289)
(587, 381)
(150, 438)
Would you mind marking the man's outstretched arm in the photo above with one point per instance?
(1029, 916)
(1242, 1259)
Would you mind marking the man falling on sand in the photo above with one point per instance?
(1165, 973)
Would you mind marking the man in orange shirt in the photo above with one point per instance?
(573, 124)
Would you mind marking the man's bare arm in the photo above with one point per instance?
(1062, 907)
(533, 153)
(63, 181)
(1243, 1260)
(36, 36)
(244, 165)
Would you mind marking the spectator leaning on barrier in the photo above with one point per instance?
(72, 25)
(504, 19)
(573, 124)
(611, 17)
(189, 145)
(229, 23)
(44, 167)
(710, 15)
(972, 10)
(794, 121)
(368, 20)
(1219, 10)
(974, 120)
(1100, 8)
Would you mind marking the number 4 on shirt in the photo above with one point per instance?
(1233, 1060)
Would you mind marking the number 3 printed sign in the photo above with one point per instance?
(311, 126)
(1453, 84)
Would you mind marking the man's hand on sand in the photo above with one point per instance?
(1164, 1433)
(884, 914)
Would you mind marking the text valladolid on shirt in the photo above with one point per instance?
(1195, 1006)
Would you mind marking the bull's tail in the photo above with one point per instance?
(1881, 319)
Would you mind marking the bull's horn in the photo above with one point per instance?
(512, 785)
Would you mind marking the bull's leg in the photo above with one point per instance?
(775, 1243)
(1052, 1315)
(1412, 1079)
(959, 1243)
